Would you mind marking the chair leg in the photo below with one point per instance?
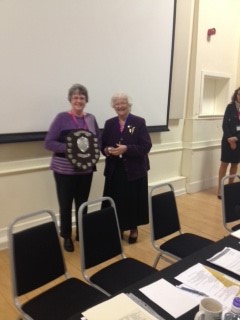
(156, 260)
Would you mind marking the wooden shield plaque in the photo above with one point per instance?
(82, 149)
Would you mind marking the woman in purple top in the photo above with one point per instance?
(126, 144)
(72, 184)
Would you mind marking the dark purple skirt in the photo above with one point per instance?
(130, 197)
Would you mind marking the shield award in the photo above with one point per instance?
(82, 149)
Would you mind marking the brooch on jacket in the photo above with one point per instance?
(131, 129)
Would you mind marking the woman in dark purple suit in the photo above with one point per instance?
(126, 144)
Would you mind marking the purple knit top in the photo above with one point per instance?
(55, 140)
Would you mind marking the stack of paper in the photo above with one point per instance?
(120, 307)
(164, 293)
(228, 259)
(210, 282)
(236, 234)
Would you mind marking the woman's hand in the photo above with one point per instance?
(117, 151)
(233, 142)
(120, 149)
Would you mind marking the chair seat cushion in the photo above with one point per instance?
(62, 301)
(185, 244)
(236, 227)
(119, 275)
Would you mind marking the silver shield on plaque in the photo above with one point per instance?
(83, 144)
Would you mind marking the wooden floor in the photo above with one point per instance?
(200, 213)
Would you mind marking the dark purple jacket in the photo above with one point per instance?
(135, 135)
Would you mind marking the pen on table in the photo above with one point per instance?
(193, 291)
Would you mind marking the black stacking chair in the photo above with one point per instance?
(100, 241)
(165, 225)
(36, 260)
(231, 202)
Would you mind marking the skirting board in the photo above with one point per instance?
(197, 186)
(179, 184)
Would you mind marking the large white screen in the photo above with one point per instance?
(107, 45)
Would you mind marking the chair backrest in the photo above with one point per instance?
(230, 199)
(35, 252)
(163, 213)
(99, 231)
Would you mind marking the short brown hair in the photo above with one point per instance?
(79, 89)
(234, 96)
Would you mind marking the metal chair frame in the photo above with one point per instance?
(231, 207)
(172, 229)
(31, 270)
(109, 246)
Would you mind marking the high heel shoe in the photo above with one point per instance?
(133, 236)
(68, 244)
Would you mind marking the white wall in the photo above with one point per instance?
(217, 55)
(188, 155)
(220, 54)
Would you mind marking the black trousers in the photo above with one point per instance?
(71, 188)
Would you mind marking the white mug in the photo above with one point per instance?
(209, 309)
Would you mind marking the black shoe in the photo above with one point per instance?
(68, 244)
(133, 239)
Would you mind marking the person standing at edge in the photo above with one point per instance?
(71, 183)
(126, 144)
(230, 148)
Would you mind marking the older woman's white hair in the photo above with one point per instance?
(121, 95)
